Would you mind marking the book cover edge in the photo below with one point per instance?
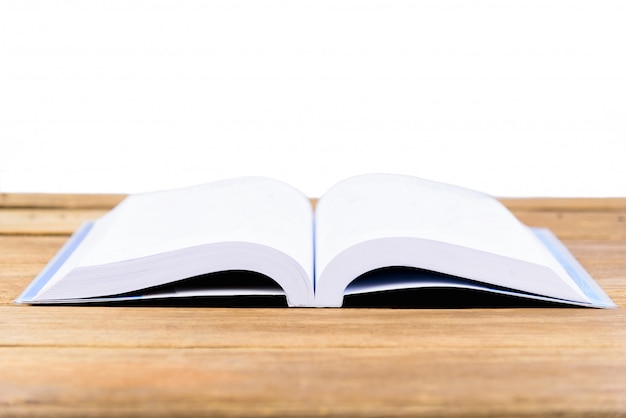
(586, 283)
(27, 296)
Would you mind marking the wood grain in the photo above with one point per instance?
(567, 225)
(574, 218)
(311, 382)
(107, 201)
(39, 221)
(193, 361)
(311, 328)
(59, 200)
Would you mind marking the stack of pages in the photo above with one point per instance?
(368, 234)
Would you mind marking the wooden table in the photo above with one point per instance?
(106, 361)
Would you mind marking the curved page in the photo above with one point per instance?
(164, 235)
(368, 219)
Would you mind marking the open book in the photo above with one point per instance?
(370, 233)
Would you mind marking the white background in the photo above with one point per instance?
(514, 98)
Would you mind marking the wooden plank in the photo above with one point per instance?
(45, 221)
(107, 201)
(568, 218)
(567, 204)
(32, 214)
(470, 329)
(54, 200)
(351, 382)
(578, 224)
(567, 225)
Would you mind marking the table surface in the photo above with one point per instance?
(190, 361)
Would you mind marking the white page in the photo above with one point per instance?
(379, 206)
(248, 210)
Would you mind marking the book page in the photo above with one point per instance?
(247, 210)
(379, 206)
